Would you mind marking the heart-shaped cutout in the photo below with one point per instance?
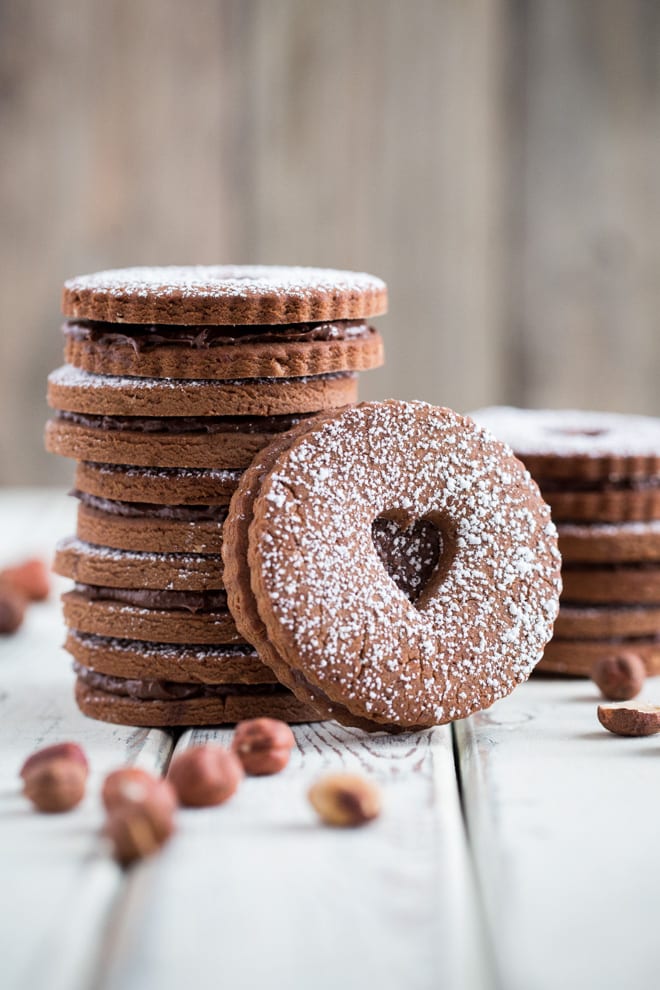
(410, 551)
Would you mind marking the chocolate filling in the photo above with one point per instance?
(155, 690)
(181, 601)
(606, 485)
(199, 650)
(148, 510)
(146, 337)
(184, 424)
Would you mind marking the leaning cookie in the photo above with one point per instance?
(340, 628)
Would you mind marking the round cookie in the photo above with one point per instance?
(116, 354)
(577, 657)
(628, 542)
(606, 505)
(166, 486)
(88, 563)
(105, 617)
(603, 621)
(156, 529)
(573, 444)
(223, 295)
(186, 663)
(221, 710)
(336, 620)
(73, 390)
(616, 584)
(222, 444)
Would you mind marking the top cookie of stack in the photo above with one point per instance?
(600, 474)
(175, 378)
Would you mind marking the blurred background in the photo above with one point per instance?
(496, 161)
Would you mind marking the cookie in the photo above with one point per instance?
(627, 542)
(222, 295)
(73, 390)
(607, 504)
(222, 709)
(336, 620)
(187, 663)
(150, 528)
(171, 486)
(178, 442)
(577, 657)
(104, 616)
(570, 444)
(105, 351)
(603, 621)
(88, 563)
(634, 584)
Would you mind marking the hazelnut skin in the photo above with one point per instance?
(620, 677)
(12, 611)
(132, 785)
(205, 775)
(139, 829)
(345, 799)
(263, 745)
(58, 751)
(55, 785)
(30, 579)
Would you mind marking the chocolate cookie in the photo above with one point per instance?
(171, 486)
(178, 442)
(150, 528)
(337, 621)
(223, 295)
(577, 657)
(95, 612)
(627, 542)
(572, 444)
(607, 504)
(613, 584)
(603, 621)
(187, 663)
(73, 390)
(222, 709)
(88, 563)
(111, 353)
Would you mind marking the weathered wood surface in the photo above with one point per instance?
(563, 824)
(57, 883)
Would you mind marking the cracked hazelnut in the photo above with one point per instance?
(55, 785)
(263, 745)
(619, 677)
(205, 775)
(12, 610)
(630, 720)
(137, 829)
(131, 785)
(30, 579)
(58, 751)
(345, 799)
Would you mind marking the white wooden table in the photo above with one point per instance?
(520, 850)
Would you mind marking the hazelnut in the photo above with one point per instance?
(205, 775)
(345, 799)
(55, 785)
(619, 677)
(630, 720)
(138, 829)
(58, 751)
(131, 785)
(263, 745)
(12, 610)
(30, 579)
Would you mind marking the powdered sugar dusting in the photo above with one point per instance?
(68, 376)
(563, 432)
(333, 611)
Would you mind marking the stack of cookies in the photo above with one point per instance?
(175, 379)
(600, 474)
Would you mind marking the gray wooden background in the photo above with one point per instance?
(497, 161)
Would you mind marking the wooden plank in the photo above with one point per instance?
(260, 894)
(58, 882)
(562, 818)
